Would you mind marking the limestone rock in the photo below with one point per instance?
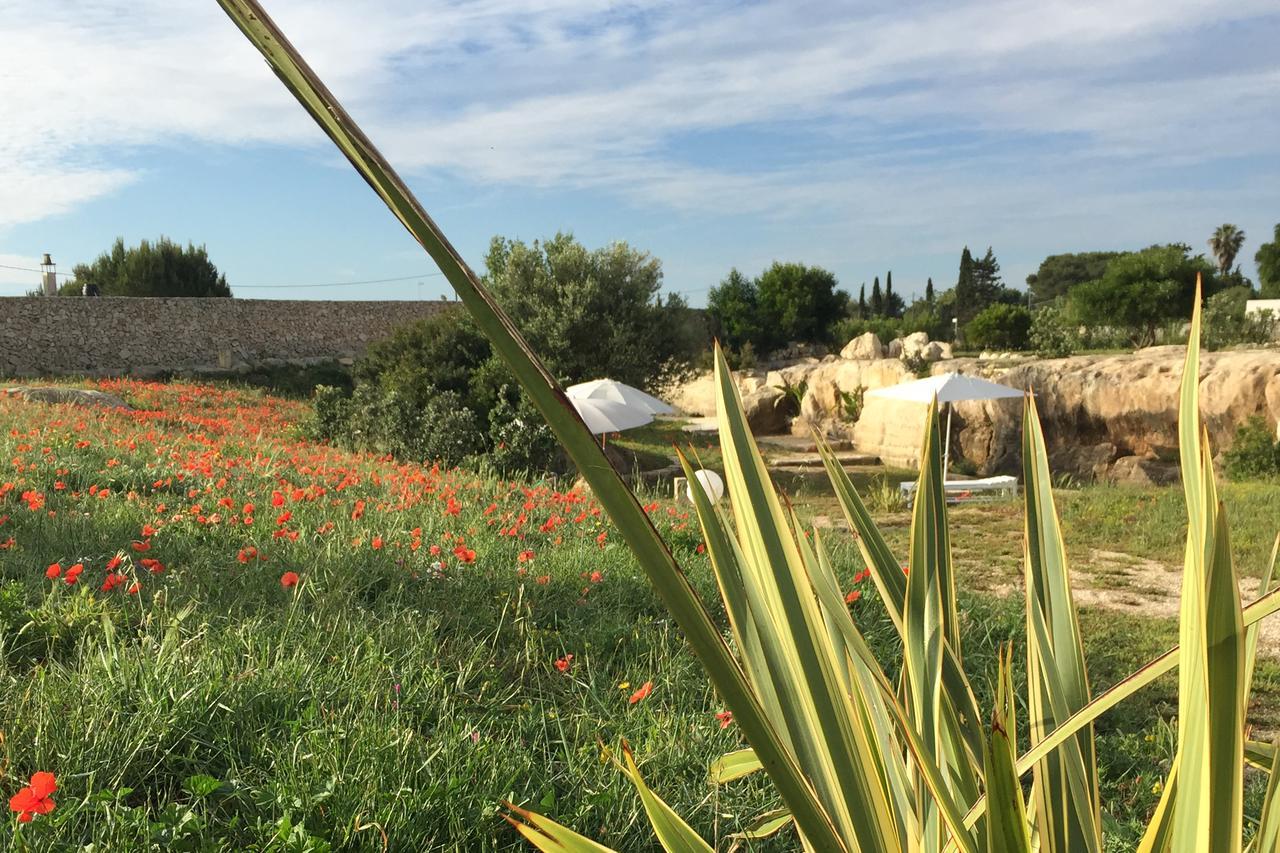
(72, 396)
(914, 344)
(768, 410)
(866, 346)
(894, 349)
(1141, 471)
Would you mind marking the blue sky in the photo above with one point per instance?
(861, 137)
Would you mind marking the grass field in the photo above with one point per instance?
(451, 640)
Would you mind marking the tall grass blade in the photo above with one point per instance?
(613, 494)
(549, 836)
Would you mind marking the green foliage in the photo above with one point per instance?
(979, 285)
(1254, 453)
(1058, 274)
(444, 352)
(1052, 333)
(851, 403)
(734, 311)
(519, 439)
(788, 303)
(594, 314)
(162, 268)
(1268, 260)
(1000, 326)
(1226, 323)
(1140, 291)
(797, 303)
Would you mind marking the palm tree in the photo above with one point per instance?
(1225, 244)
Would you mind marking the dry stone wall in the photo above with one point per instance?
(106, 336)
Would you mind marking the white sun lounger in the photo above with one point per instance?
(988, 488)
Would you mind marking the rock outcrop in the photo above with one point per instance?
(1108, 417)
(866, 346)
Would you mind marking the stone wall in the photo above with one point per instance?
(151, 337)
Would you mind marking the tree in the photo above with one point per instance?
(999, 326)
(1268, 261)
(862, 299)
(893, 304)
(928, 291)
(594, 313)
(877, 299)
(965, 289)
(798, 303)
(734, 311)
(1225, 245)
(1059, 273)
(987, 284)
(1141, 291)
(162, 268)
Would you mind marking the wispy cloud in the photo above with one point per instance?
(908, 104)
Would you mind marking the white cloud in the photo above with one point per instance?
(952, 99)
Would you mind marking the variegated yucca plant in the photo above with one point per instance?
(862, 762)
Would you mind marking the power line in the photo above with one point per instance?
(23, 269)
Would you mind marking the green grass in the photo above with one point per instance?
(382, 704)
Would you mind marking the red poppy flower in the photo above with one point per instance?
(114, 563)
(642, 693)
(36, 798)
(465, 554)
(376, 543)
(725, 718)
(524, 556)
(853, 596)
(141, 546)
(564, 663)
(288, 580)
(53, 571)
(73, 573)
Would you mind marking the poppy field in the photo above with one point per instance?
(217, 634)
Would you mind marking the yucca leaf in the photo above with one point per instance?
(765, 825)
(1267, 838)
(886, 572)
(549, 836)
(1007, 827)
(1065, 789)
(733, 765)
(673, 833)
(1208, 801)
(617, 500)
(804, 666)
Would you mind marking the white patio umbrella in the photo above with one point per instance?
(946, 388)
(618, 392)
(606, 416)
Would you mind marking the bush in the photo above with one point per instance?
(1254, 453)
(519, 438)
(1226, 323)
(885, 328)
(999, 326)
(1052, 333)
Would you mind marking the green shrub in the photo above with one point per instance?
(519, 438)
(851, 403)
(1052, 333)
(1254, 453)
(1000, 326)
(1226, 323)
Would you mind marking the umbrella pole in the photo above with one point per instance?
(946, 452)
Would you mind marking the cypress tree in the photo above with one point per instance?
(862, 302)
(965, 288)
(877, 299)
(928, 291)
